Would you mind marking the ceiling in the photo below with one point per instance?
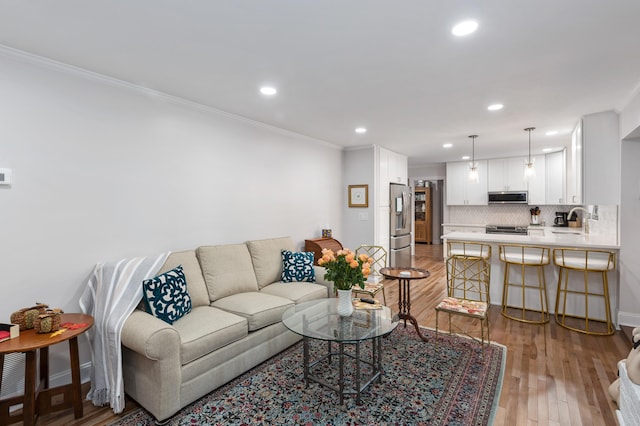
(392, 67)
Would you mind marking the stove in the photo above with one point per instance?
(506, 229)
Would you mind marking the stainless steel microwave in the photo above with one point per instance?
(509, 197)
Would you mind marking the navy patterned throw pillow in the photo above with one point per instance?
(166, 295)
(297, 266)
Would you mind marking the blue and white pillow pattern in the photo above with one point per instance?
(297, 266)
(166, 295)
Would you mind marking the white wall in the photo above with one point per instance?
(359, 223)
(630, 117)
(104, 171)
(629, 310)
(427, 172)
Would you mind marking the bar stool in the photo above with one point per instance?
(468, 270)
(585, 261)
(468, 277)
(532, 257)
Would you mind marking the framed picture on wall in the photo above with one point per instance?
(358, 195)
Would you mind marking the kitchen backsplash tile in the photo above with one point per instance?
(518, 214)
(507, 214)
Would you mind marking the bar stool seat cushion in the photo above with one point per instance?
(527, 258)
(470, 307)
(594, 263)
(460, 248)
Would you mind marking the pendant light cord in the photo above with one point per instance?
(473, 149)
(529, 129)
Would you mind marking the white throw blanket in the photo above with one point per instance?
(113, 292)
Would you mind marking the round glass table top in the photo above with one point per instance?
(318, 319)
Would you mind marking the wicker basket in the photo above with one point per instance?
(26, 317)
(48, 322)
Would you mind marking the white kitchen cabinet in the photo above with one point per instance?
(593, 166)
(536, 185)
(574, 167)
(391, 168)
(601, 149)
(462, 192)
(506, 174)
(555, 181)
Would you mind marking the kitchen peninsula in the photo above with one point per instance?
(551, 237)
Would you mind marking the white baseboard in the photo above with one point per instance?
(629, 319)
(58, 379)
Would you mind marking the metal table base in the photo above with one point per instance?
(359, 386)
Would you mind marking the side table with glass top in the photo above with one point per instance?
(404, 277)
(319, 320)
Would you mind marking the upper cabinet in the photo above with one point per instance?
(536, 185)
(574, 167)
(555, 182)
(593, 163)
(461, 191)
(393, 168)
(506, 174)
(601, 158)
(398, 168)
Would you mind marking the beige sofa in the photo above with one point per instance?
(235, 324)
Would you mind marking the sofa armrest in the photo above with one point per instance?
(319, 271)
(149, 336)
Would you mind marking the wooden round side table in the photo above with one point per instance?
(404, 277)
(37, 394)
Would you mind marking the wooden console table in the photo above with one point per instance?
(316, 245)
(37, 394)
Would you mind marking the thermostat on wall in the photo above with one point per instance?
(5, 176)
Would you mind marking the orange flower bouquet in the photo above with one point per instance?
(345, 269)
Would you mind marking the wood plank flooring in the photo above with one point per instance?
(566, 386)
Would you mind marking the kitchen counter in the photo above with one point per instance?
(551, 237)
(544, 236)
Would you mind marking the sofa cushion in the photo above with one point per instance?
(192, 273)
(267, 258)
(227, 270)
(166, 296)
(297, 266)
(206, 329)
(297, 292)
(259, 309)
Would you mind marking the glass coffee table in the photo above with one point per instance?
(318, 320)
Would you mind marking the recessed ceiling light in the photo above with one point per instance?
(551, 132)
(547, 150)
(464, 28)
(361, 130)
(269, 91)
(466, 157)
(495, 107)
(447, 145)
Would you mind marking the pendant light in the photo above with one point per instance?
(529, 170)
(473, 166)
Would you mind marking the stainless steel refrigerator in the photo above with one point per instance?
(400, 225)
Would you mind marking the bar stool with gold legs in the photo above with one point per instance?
(583, 261)
(523, 257)
(374, 284)
(468, 277)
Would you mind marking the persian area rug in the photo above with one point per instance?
(424, 383)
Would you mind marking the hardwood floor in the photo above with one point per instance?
(566, 386)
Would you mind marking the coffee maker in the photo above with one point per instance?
(561, 219)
